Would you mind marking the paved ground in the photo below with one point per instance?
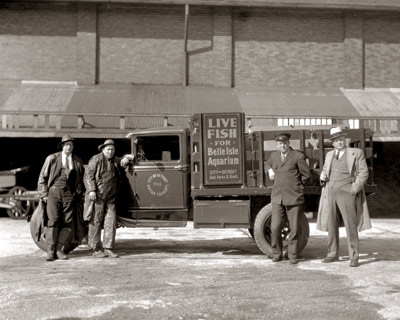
(199, 274)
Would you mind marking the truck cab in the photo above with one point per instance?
(158, 178)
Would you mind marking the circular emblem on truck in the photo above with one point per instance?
(157, 184)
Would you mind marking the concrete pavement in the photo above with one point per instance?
(376, 281)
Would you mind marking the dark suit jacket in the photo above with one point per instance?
(290, 177)
(51, 170)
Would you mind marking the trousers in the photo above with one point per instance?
(279, 212)
(342, 201)
(60, 211)
(105, 216)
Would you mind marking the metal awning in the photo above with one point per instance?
(113, 110)
(375, 103)
(298, 102)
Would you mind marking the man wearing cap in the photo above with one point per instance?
(344, 175)
(102, 180)
(59, 185)
(289, 171)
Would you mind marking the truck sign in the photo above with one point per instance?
(223, 156)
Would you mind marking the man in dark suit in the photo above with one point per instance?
(344, 174)
(289, 171)
(60, 185)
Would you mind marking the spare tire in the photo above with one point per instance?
(40, 240)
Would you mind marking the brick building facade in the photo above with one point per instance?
(93, 43)
(89, 48)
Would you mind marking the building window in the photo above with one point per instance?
(296, 122)
(354, 123)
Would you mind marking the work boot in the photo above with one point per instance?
(99, 254)
(59, 253)
(50, 253)
(110, 253)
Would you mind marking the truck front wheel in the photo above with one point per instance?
(262, 231)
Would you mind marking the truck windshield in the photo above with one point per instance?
(153, 148)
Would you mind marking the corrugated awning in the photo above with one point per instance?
(295, 102)
(375, 103)
(102, 108)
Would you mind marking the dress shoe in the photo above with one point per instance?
(294, 261)
(110, 253)
(276, 259)
(99, 254)
(330, 259)
(354, 263)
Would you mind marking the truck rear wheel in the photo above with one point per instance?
(262, 231)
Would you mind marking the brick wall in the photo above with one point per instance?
(289, 48)
(222, 47)
(382, 50)
(38, 41)
(353, 51)
(143, 44)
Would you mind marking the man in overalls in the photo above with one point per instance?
(102, 181)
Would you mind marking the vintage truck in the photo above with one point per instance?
(213, 174)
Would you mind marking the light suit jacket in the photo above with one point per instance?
(358, 170)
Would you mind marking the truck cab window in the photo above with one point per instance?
(165, 148)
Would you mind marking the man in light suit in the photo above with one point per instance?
(344, 175)
(289, 171)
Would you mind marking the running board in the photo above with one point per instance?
(143, 223)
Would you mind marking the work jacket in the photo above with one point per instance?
(95, 173)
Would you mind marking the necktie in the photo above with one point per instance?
(283, 157)
(337, 155)
(109, 164)
(67, 167)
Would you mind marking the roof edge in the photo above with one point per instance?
(318, 4)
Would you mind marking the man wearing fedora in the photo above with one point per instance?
(289, 171)
(102, 181)
(59, 185)
(343, 176)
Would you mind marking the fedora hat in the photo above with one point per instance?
(283, 137)
(336, 132)
(106, 143)
(65, 139)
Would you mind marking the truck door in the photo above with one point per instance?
(160, 173)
